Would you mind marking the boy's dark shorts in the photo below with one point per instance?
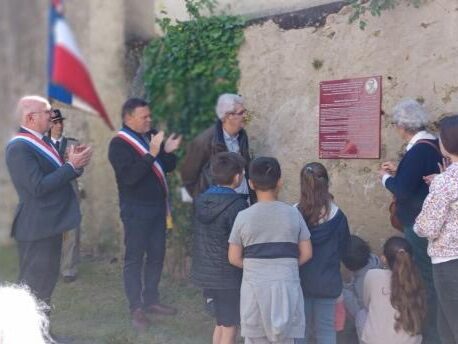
(226, 303)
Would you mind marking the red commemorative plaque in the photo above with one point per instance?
(350, 112)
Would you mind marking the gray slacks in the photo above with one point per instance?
(446, 283)
(39, 263)
(70, 252)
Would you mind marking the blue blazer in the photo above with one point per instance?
(408, 185)
(47, 203)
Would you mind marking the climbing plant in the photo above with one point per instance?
(190, 65)
(374, 7)
(185, 71)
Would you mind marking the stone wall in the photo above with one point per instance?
(416, 52)
(22, 29)
(102, 43)
(249, 8)
(98, 26)
(139, 19)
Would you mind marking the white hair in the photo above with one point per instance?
(410, 115)
(226, 103)
(27, 104)
(22, 317)
(37, 99)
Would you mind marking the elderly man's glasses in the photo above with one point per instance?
(49, 112)
(240, 113)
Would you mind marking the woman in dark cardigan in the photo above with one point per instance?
(407, 183)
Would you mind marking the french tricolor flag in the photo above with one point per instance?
(69, 79)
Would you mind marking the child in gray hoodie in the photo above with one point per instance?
(358, 260)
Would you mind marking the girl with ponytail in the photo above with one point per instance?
(394, 298)
(320, 277)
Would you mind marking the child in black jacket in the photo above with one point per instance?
(214, 213)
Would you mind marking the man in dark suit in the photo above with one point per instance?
(47, 203)
(71, 241)
(140, 162)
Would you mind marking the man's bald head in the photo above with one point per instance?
(28, 104)
(33, 112)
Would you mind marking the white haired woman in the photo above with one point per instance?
(406, 182)
(22, 317)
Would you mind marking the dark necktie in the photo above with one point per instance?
(57, 144)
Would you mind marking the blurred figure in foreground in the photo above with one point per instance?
(22, 317)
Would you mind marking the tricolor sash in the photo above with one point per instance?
(48, 151)
(142, 148)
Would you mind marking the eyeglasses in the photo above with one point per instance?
(49, 112)
(240, 113)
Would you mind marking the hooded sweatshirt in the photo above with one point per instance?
(320, 276)
(353, 291)
(214, 214)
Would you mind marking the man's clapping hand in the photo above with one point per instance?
(172, 143)
(79, 156)
(155, 144)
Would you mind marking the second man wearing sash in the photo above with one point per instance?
(140, 158)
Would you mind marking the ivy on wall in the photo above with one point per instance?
(374, 7)
(190, 65)
(185, 71)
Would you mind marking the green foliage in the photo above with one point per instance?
(374, 7)
(193, 7)
(187, 68)
(185, 71)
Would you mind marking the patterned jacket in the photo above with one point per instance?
(438, 220)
